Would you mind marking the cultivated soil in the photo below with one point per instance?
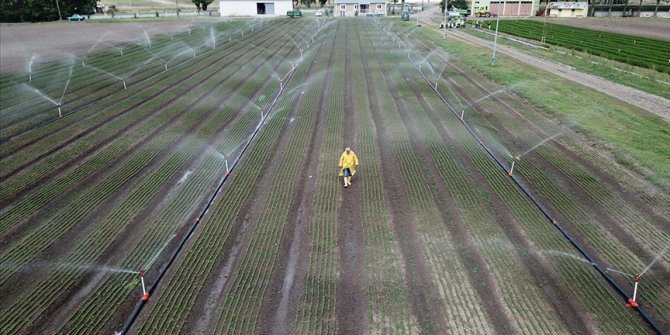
(425, 240)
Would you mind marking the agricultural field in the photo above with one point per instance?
(187, 183)
(634, 50)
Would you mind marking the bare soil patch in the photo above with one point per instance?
(50, 41)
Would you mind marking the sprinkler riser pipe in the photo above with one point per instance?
(511, 170)
(635, 291)
(144, 289)
(124, 85)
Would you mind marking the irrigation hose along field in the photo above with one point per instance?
(187, 183)
(603, 271)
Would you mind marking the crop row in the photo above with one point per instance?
(537, 127)
(629, 221)
(183, 200)
(241, 305)
(437, 244)
(316, 311)
(387, 296)
(85, 82)
(204, 173)
(197, 264)
(142, 94)
(133, 54)
(66, 155)
(101, 159)
(482, 162)
(192, 68)
(192, 116)
(639, 51)
(483, 227)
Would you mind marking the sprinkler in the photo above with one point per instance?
(225, 159)
(145, 294)
(124, 85)
(60, 115)
(632, 303)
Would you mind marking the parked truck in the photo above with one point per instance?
(293, 13)
(483, 12)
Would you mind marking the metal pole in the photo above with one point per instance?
(495, 39)
(445, 20)
(58, 7)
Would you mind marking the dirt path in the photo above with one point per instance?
(351, 298)
(649, 102)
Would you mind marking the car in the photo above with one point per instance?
(76, 17)
(318, 13)
(375, 13)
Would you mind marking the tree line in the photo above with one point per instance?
(43, 10)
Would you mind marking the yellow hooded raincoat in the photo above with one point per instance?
(348, 160)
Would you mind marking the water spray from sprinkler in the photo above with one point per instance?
(539, 144)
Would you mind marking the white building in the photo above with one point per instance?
(255, 7)
(567, 9)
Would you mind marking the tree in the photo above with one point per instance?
(202, 4)
(460, 4)
(41, 10)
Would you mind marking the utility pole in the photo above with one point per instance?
(58, 7)
(176, 2)
(445, 20)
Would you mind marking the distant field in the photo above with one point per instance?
(183, 4)
(634, 50)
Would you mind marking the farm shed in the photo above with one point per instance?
(513, 8)
(359, 7)
(254, 7)
(567, 9)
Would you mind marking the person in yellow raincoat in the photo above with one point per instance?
(348, 165)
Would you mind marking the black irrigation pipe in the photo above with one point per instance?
(103, 98)
(526, 190)
(140, 304)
